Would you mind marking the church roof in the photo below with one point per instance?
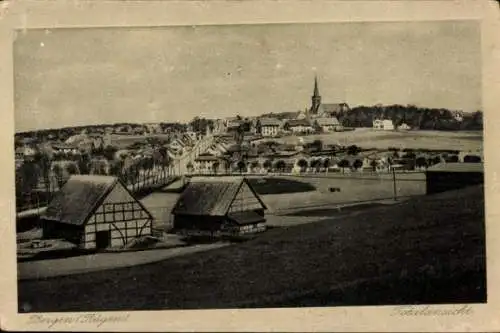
(332, 108)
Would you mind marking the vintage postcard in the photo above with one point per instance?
(249, 166)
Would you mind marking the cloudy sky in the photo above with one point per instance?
(68, 77)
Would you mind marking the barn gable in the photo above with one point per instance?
(216, 196)
(245, 199)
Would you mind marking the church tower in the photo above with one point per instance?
(316, 98)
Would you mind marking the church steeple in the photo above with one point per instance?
(316, 98)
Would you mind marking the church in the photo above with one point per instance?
(322, 110)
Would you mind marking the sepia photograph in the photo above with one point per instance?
(249, 166)
(304, 165)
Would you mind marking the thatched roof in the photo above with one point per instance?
(79, 198)
(210, 196)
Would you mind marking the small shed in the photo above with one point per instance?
(219, 206)
(96, 212)
(452, 176)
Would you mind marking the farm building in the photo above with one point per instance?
(219, 206)
(452, 176)
(96, 212)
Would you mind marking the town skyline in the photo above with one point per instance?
(217, 71)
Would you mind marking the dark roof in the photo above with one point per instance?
(457, 167)
(210, 195)
(79, 198)
(248, 217)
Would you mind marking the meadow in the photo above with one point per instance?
(314, 193)
(424, 250)
(369, 138)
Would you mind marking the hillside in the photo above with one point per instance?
(425, 250)
(415, 117)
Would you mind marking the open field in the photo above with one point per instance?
(369, 138)
(353, 189)
(123, 141)
(424, 250)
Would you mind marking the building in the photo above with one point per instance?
(299, 126)
(404, 127)
(219, 206)
(270, 127)
(65, 148)
(452, 176)
(327, 124)
(205, 163)
(325, 110)
(383, 124)
(96, 212)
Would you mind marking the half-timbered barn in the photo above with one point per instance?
(96, 212)
(219, 206)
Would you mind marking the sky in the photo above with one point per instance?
(73, 77)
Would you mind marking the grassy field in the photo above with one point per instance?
(369, 138)
(123, 141)
(316, 193)
(424, 250)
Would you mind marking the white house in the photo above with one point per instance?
(383, 124)
(270, 126)
(404, 127)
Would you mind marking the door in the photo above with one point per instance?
(102, 239)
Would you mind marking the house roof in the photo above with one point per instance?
(78, 198)
(332, 107)
(210, 195)
(270, 122)
(298, 122)
(457, 167)
(333, 121)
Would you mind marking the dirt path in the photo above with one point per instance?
(102, 261)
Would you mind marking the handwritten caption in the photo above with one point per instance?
(87, 319)
(413, 310)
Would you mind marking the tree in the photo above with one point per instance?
(452, 159)
(190, 167)
(357, 164)
(326, 164)
(316, 164)
(343, 164)
(302, 165)
(409, 155)
(215, 167)
(72, 168)
(241, 166)
(280, 165)
(58, 173)
(373, 164)
(421, 162)
(353, 150)
(255, 165)
(267, 164)
(317, 145)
